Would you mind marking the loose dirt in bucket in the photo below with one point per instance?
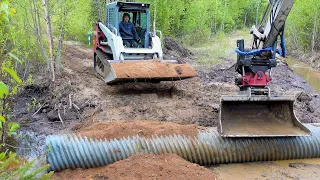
(153, 69)
(144, 166)
(114, 130)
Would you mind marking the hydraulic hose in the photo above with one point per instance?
(208, 148)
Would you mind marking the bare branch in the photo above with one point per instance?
(60, 116)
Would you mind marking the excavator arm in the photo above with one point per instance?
(254, 112)
(254, 64)
(269, 31)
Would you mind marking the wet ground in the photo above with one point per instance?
(81, 99)
(294, 169)
(312, 75)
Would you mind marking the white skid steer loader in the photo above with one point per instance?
(116, 63)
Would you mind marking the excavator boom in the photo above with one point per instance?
(254, 112)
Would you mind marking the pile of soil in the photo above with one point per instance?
(143, 166)
(120, 129)
(311, 58)
(152, 69)
(173, 47)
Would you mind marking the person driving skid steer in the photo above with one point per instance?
(128, 32)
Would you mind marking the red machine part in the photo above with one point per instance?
(97, 38)
(259, 79)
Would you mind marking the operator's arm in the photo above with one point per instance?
(134, 32)
(122, 29)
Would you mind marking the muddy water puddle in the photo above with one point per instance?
(29, 145)
(288, 169)
(303, 161)
(304, 70)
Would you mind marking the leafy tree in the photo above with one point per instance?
(11, 166)
(303, 26)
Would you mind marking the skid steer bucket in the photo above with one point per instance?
(259, 116)
(113, 72)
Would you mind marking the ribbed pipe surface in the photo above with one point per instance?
(70, 151)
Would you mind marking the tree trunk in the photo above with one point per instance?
(215, 18)
(60, 41)
(245, 20)
(37, 30)
(314, 36)
(49, 36)
(257, 15)
(224, 15)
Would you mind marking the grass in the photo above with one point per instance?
(219, 48)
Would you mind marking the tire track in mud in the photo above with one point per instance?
(185, 102)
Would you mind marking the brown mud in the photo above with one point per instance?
(268, 171)
(311, 58)
(144, 166)
(121, 129)
(152, 69)
(80, 99)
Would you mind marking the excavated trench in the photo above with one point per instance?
(193, 101)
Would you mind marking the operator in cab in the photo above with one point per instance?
(128, 32)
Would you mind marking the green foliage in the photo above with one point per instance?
(78, 22)
(4, 90)
(13, 74)
(33, 106)
(7, 127)
(12, 168)
(2, 121)
(303, 25)
(196, 21)
(30, 80)
(6, 11)
(13, 127)
(10, 165)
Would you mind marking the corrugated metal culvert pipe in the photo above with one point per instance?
(208, 148)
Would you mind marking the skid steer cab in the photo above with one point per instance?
(129, 51)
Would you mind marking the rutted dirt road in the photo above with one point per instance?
(81, 99)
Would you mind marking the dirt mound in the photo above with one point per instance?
(311, 58)
(166, 166)
(175, 48)
(152, 70)
(120, 129)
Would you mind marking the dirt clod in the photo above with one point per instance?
(53, 116)
(143, 166)
(304, 97)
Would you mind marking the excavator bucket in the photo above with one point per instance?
(113, 72)
(259, 116)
